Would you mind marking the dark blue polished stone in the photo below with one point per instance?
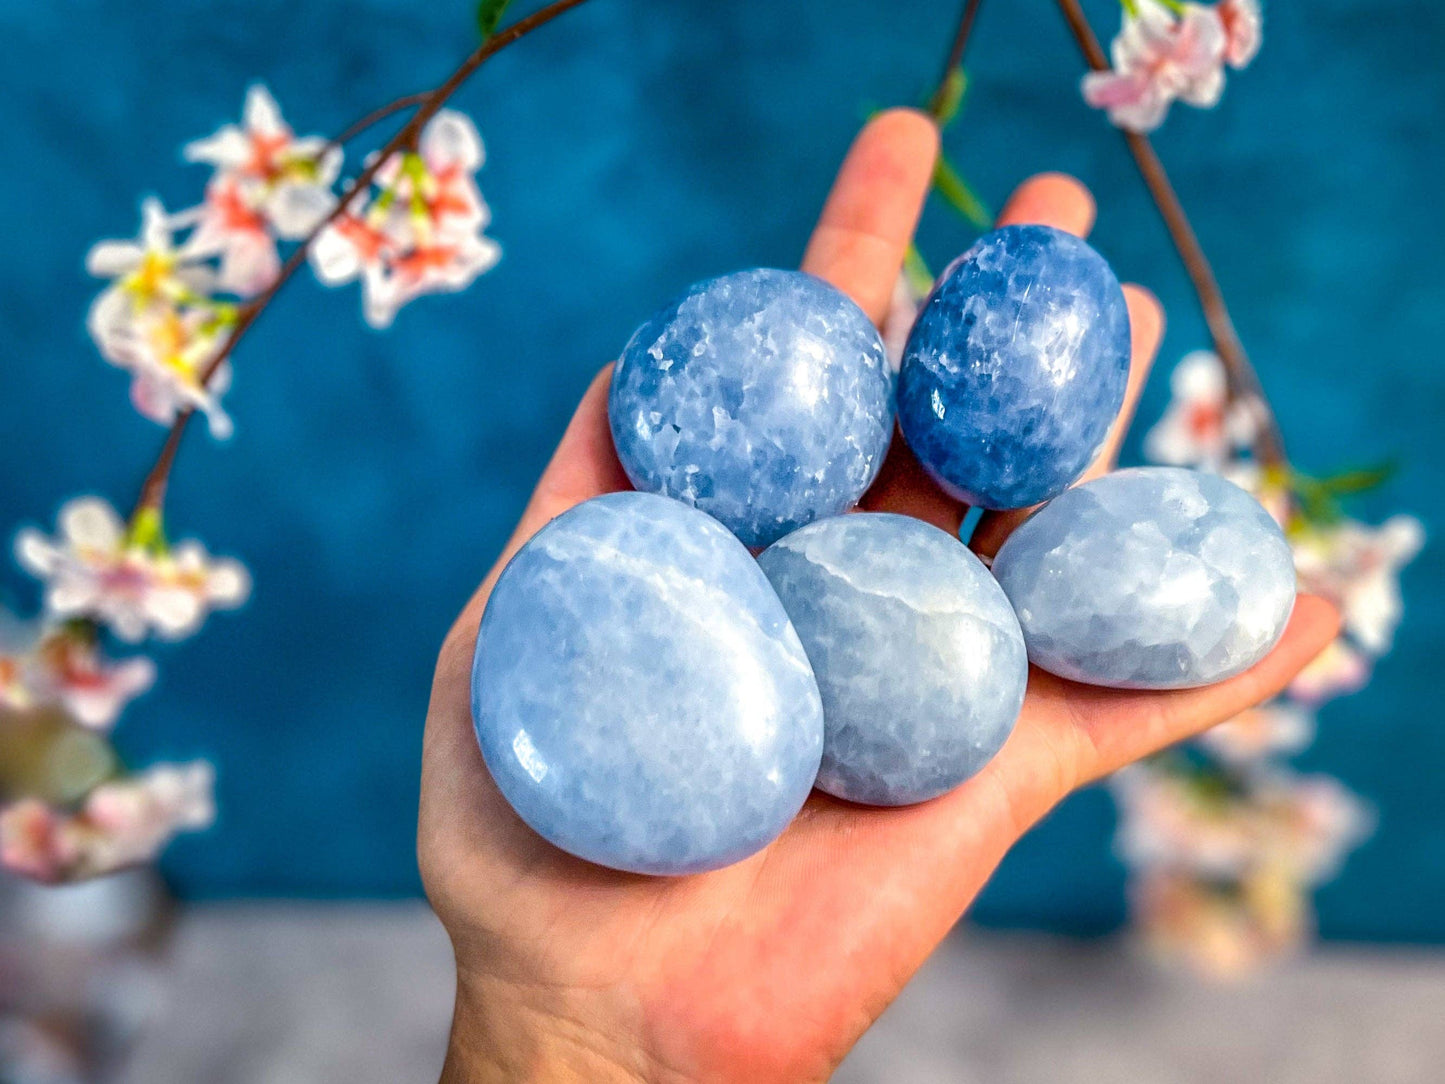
(1016, 367)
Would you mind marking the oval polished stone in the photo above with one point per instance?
(638, 692)
(762, 397)
(1016, 367)
(1150, 578)
(917, 653)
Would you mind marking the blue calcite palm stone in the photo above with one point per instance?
(1151, 578)
(762, 397)
(1016, 367)
(917, 653)
(639, 694)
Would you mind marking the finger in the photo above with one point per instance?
(872, 210)
(1050, 199)
(1146, 329)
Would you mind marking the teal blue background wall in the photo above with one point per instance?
(635, 146)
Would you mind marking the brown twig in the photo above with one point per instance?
(154, 488)
(1243, 380)
(376, 116)
(955, 55)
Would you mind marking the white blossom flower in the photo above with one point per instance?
(158, 320)
(63, 665)
(422, 232)
(284, 180)
(131, 819)
(1358, 568)
(167, 350)
(93, 569)
(1278, 727)
(1159, 57)
(123, 822)
(1338, 670)
(70, 670)
(1303, 824)
(147, 274)
(1201, 427)
(1266, 487)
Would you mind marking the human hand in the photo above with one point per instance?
(770, 969)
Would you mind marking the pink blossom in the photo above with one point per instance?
(92, 689)
(93, 569)
(1338, 670)
(229, 226)
(422, 232)
(1201, 427)
(1358, 568)
(129, 820)
(64, 666)
(34, 842)
(1159, 57)
(1243, 31)
(123, 822)
(268, 184)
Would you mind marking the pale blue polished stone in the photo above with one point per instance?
(762, 397)
(1150, 578)
(917, 653)
(639, 694)
(1016, 367)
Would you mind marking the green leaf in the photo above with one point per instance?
(1363, 480)
(953, 188)
(1320, 498)
(489, 15)
(920, 279)
(948, 99)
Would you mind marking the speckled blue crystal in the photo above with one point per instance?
(762, 397)
(917, 653)
(1151, 578)
(1016, 367)
(639, 694)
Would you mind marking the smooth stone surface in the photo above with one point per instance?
(1151, 578)
(917, 653)
(1016, 367)
(762, 397)
(638, 692)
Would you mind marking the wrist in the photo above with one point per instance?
(501, 1032)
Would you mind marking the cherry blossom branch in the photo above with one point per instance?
(376, 116)
(1243, 380)
(154, 488)
(938, 101)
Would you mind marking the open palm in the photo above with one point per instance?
(770, 969)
